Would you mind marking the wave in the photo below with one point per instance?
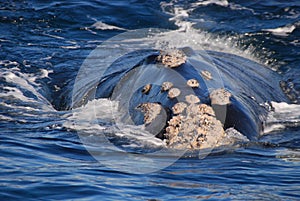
(282, 31)
(103, 26)
(23, 92)
(182, 16)
(98, 117)
(282, 116)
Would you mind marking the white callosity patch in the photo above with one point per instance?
(150, 110)
(192, 126)
(174, 92)
(179, 107)
(193, 83)
(206, 74)
(220, 97)
(172, 58)
(192, 99)
(195, 130)
(146, 88)
(166, 86)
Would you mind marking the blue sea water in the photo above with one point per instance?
(43, 45)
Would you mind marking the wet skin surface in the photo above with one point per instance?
(234, 88)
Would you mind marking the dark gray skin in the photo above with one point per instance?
(250, 84)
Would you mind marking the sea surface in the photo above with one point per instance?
(45, 154)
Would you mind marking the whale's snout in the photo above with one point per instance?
(184, 97)
(174, 106)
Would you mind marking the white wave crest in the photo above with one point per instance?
(283, 115)
(224, 3)
(282, 31)
(98, 119)
(181, 16)
(103, 26)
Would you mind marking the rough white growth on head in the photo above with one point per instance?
(192, 99)
(172, 58)
(166, 86)
(193, 83)
(220, 97)
(174, 92)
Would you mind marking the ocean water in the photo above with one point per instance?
(48, 152)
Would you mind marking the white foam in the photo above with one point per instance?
(283, 107)
(53, 36)
(87, 120)
(234, 6)
(283, 115)
(223, 3)
(272, 128)
(6, 118)
(103, 26)
(293, 14)
(289, 154)
(18, 104)
(16, 93)
(181, 17)
(45, 73)
(282, 31)
(70, 47)
(24, 82)
(8, 63)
